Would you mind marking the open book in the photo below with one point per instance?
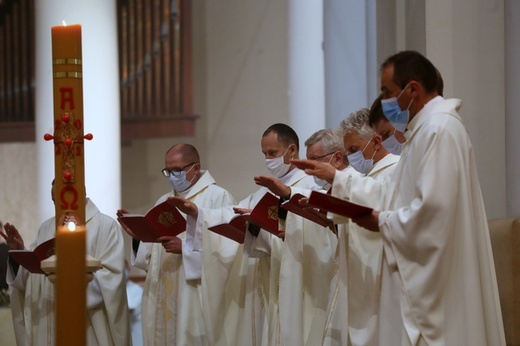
(337, 205)
(235, 229)
(162, 220)
(31, 260)
(264, 215)
(306, 212)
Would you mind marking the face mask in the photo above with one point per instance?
(392, 145)
(180, 183)
(322, 182)
(277, 167)
(358, 161)
(394, 113)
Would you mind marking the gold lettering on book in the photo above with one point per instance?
(166, 219)
(272, 212)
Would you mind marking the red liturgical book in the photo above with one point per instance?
(337, 205)
(162, 220)
(306, 212)
(263, 215)
(234, 230)
(31, 260)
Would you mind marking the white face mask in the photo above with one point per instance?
(180, 183)
(393, 145)
(277, 167)
(358, 161)
(322, 182)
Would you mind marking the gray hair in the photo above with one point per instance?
(329, 139)
(357, 122)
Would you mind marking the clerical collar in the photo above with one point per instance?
(286, 178)
(184, 193)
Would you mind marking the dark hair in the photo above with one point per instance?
(375, 114)
(410, 65)
(285, 134)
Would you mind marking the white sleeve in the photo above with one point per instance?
(94, 297)
(19, 280)
(259, 246)
(192, 248)
(141, 259)
(192, 262)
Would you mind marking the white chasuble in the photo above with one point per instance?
(33, 300)
(439, 284)
(172, 307)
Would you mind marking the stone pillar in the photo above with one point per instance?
(351, 78)
(465, 40)
(306, 68)
(100, 94)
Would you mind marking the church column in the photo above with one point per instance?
(306, 71)
(465, 40)
(512, 72)
(100, 94)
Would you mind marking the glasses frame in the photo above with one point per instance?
(321, 157)
(175, 173)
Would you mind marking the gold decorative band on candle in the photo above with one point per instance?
(78, 75)
(68, 61)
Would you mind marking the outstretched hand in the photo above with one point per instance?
(12, 237)
(274, 185)
(241, 211)
(319, 169)
(184, 205)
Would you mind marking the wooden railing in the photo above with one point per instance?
(155, 64)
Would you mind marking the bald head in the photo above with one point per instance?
(187, 151)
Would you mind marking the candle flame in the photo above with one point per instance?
(64, 23)
(72, 226)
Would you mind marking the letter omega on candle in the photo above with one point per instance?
(69, 185)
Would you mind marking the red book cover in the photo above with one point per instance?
(31, 260)
(162, 220)
(234, 229)
(306, 212)
(265, 214)
(337, 205)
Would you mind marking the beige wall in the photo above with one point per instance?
(18, 193)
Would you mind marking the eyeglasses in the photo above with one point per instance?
(316, 158)
(175, 172)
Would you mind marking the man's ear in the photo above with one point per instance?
(337, 158)
(293, 151)
(378, 140)
(414, 87)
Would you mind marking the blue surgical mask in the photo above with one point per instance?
(393, 145)
(398, 117)
(358, 161)
(180, 183)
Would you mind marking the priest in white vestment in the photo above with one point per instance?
(249, 315)
(438, 283)
(300, 267)
(174, 291)
(33, 296)
(327, 146)
(363, 267)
